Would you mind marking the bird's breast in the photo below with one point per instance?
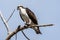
(23, 11)
(25, 15)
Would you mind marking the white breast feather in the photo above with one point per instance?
(23, 11)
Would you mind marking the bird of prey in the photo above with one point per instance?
(28, 17)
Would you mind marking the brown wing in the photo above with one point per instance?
(31, 16)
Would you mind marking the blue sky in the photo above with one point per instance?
(47, 11)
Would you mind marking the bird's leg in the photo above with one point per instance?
(25, 24)
(18, 26)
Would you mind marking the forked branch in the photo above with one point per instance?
(4, 21)
(25, 27)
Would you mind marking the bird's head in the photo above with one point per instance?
(19, 7)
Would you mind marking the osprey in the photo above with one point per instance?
(28, 17)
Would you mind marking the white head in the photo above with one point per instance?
(19, 7)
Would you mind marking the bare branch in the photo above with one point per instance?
(25, 35)
(25, 27)
(10, 15)
(45, 25)
(4, 21)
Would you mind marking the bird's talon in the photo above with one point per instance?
(27, 24)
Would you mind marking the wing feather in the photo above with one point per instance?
(31, 16)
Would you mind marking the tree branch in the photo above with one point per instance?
(25, 35)
(25, 27)
(10, 15)
(4, 21)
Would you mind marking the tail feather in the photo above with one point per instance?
(37, 30)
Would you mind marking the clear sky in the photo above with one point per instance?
(47, 11)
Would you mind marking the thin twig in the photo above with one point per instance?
(16, 36)
(4, 21)
(10, 15)
(25, 35)
(22, 28)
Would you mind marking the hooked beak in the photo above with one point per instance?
(18, 8)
